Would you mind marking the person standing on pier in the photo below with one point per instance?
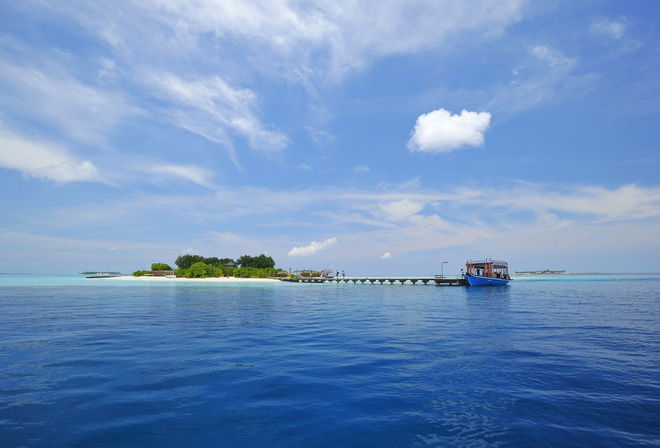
(342, 274)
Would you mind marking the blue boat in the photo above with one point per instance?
(487, 272)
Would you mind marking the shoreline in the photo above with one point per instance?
(181, 279)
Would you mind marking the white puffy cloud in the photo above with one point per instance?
(441, 132)
(44, 161)
(312, 249)
(386, 256)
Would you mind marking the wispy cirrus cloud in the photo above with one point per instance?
(216, 107)
(546, 75)
(370, 222)
(198, 175)
(328, 39)
(588, 203)
(401, 209)
(391, 207)
(45, 90)
(149, 49)
(614, 33)
(553, 58)
(608, 28)
(43, 160)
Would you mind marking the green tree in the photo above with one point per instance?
(272, 272)
(264, 262)
(215, 261)
(218, 271)
(200, 270)
(244, 261)
(250, 272)
(212, 261)
(160, 267)
(186, 261)
(259, 262)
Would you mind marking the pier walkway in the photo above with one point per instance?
(438, 280)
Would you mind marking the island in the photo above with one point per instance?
(197, 266)
(545, 271)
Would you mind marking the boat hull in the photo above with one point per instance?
(478, 280)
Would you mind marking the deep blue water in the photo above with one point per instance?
(546, 361)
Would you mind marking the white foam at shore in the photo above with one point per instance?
(181, 279)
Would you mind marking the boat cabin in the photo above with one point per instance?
(488, 268)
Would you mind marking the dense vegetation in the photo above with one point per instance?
(260, 262)
(197, 266)
(161, 267)
(201, 270)
(250, 272)
(186, 261)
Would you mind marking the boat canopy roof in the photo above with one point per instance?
(482, 263)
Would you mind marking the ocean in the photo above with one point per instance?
(557, 360)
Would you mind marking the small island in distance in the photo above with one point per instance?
(546, 271)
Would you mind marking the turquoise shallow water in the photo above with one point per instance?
(547, 361)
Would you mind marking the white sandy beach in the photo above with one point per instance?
(206, 280)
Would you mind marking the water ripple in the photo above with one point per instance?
(539, 363)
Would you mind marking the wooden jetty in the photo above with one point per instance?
(438, 280)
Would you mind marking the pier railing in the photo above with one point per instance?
(438, 280)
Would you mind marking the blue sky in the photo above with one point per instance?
(373, 137)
